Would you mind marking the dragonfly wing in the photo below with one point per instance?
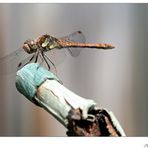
(9, 63)
(75, 37)
(74, 52)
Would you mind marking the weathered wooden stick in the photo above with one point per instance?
(79, 115)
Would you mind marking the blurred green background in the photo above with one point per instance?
(116, 79)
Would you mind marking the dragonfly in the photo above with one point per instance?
(37, 49)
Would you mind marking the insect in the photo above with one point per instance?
(38, 48)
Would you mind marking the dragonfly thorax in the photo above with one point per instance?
(48, 42)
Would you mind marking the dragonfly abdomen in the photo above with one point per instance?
(66, 44)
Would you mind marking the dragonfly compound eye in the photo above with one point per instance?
(29, 46)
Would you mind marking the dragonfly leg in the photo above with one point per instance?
(36, 59)
(41, 59)
(45, 60)
(53, 66)
(20, 64)
(51, 62)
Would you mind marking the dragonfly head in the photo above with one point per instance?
(30, 46)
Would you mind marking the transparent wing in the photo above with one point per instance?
(9, 64)
(19, 58)
(74, 37)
